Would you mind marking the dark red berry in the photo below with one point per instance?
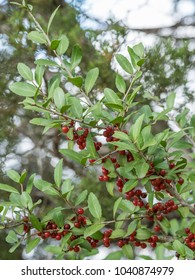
(65, 129)
(80, 211)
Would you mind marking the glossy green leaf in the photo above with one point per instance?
(141, 168)
(23, 89)
(59, 98)
(143, 234)
(116, 205)
(131, 227)
(114, 256)
(51, 18)
(91, 147)
(11, 237)
(170, 100)
(67, 186)
(129, 185)
(128, 251)
(91, 79)
(76, 56)
(31, 244)
(179, 247)
(58, 173)
(111, 97)
(124, 63)
(46, 62)
(120, 83)
(75, 156)
(92, 229)
(117, 233)
(35, 222)
(76, 108)
(121, 135)
(192, 228)
(76, 81)
(37, 37)
(7, 188)
(13, 175)
(81, 197)
(63, 45)
(139, 50)
(45, 187)
(136, 127)
(25, 71)
(94, 206)
(39, 72)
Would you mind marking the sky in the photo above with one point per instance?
(142, 13)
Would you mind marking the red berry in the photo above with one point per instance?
(143, 245)
(171, 165)
(47, 234)
(180, 181)
(80, 211)
(157, 228)
(54, 226)
(187, 230)
(153, 244)
(66, 226)
(120, 243)
(77, 224)
(58, 237)
(76, 249)
(65, 129)
(163, 172)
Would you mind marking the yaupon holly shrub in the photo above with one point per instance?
(149, 175)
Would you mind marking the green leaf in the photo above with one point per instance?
(25, 71)
(30, 183)
(58, 173)
(63, 45)
(94, 206)
(116, 205)
(136, 127)
(170, 100)
(13, 175)
(37, 37)
(120, 83)
(35, 222)
(124, 146)
(67, 186)
(46, 62)
(143, 234)
(76, 56)
(112, 97)
(139, 50)
(129, 185)
(26, 200)
(59, 98)
(91, 147)
(121, 135)
(76, 108)
(51, 18)
(23, 89)
(110, 187)
(179, 247)
(54, 44)
(127, 206)
(76, 81)
(192, 228)
(11, 237)
(184, 211)
(141, 168)
(7, 188)
(32, 243)
(134, 57)
(91, 79)
(81, 197)
(39, 72)
(114, 256)
(131, 227)
(124, 63)
(14, 247)
(92, 229)
(117, 233)
(45, 187)
(41, 122)
(128, 251)
(75, 156)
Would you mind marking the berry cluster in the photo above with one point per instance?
(136, 196)
(190, 239)
(160, 209)
(161, 183)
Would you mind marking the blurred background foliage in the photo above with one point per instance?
(169, 67)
